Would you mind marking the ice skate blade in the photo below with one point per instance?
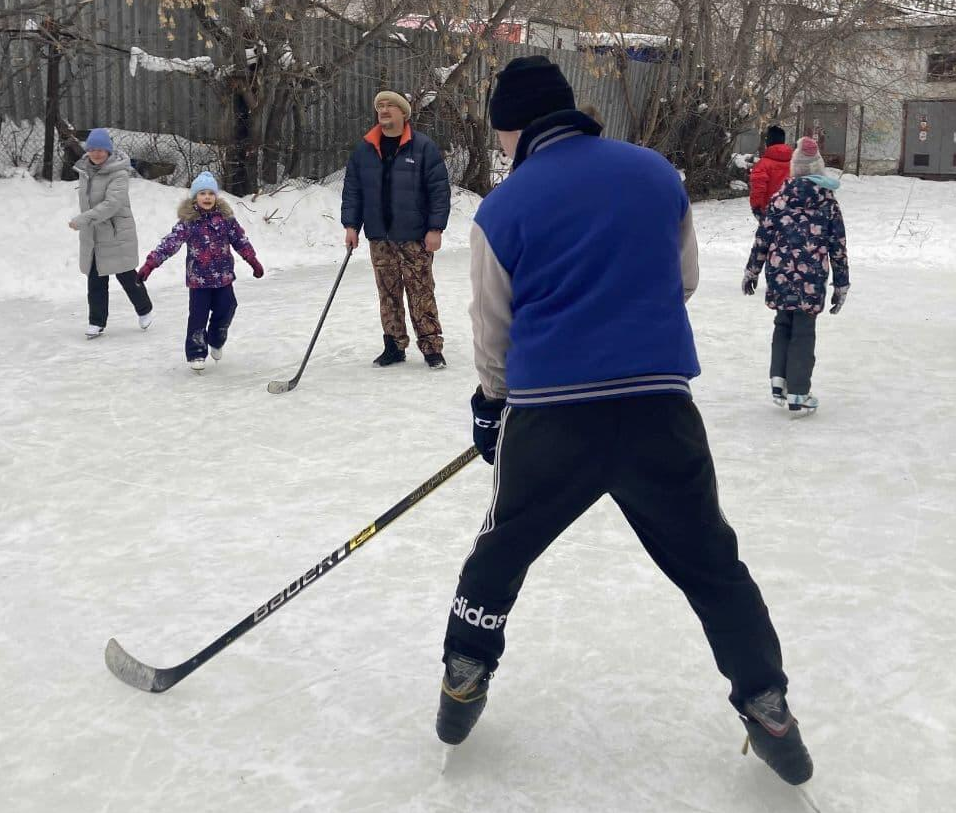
(447, 751)
(805, 792)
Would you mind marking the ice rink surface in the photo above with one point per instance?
(143, 501)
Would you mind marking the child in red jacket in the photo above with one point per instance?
(770, 171)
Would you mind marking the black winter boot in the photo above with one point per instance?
(464, 692)
(772, 731)
(391, 355)
(436, 361)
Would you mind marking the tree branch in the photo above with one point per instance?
(465, 64)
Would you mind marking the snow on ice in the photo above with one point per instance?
(142, 501)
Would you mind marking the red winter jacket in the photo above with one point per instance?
(768, 175)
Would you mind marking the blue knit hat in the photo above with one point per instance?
(205, 181)
(99, 139)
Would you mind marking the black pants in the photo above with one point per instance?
(98, 294)
(791, 352)
(650, 453)
(215, 306)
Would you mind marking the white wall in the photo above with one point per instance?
(883, 69)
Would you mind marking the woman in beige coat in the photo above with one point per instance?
(107, 230)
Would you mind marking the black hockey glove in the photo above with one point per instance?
(486, 424)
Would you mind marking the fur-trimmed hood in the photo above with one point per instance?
(209, 237)
(188, 212)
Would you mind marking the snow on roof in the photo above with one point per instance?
(627, 39)
(459, 25)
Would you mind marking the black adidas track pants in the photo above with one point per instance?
(650, 454)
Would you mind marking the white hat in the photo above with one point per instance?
(806, 159)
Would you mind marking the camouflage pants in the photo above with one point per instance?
(407, 268)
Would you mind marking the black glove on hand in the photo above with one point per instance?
(839, 297)
(749, 285)
(486, 424)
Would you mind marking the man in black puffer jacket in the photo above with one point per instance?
(396, 186)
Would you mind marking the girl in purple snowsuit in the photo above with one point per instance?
(800, 236)
(208, 227)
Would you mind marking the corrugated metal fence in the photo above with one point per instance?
(99, 90)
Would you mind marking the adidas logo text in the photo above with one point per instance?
(477, 617)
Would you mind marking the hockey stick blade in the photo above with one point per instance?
(277, 387)
(139, 675)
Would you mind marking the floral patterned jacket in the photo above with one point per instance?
(208, 236)
(797, 241)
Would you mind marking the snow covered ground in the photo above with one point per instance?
(142, 501)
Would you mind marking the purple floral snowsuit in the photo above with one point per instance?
(209, 270)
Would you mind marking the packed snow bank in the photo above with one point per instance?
(889, 220)
(295, 227)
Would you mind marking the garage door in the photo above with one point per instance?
(825, 122)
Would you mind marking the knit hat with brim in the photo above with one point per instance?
(528, 88)
(395, 98)
(806, 159)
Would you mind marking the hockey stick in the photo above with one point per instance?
(152, 679)
(275, 387)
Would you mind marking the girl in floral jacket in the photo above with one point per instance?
(798, 239)
(207, 226)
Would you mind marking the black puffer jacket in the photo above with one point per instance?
(421, 196)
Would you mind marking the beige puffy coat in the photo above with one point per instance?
(106, 224)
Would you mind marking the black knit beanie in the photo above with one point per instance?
(528, 88)
(775, 135)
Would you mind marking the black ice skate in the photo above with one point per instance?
(391, 355)
(464, 692)
(773, 733)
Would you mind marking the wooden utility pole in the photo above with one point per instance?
(53, 59)
(859, 141)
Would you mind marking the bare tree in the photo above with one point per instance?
(735, 66)
(52, 29)
(262, 74)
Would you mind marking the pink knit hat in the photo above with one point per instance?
(806, 159)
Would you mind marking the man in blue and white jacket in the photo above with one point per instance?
(582, 261)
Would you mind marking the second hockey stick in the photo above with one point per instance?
(276, 387)
(153, 679)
